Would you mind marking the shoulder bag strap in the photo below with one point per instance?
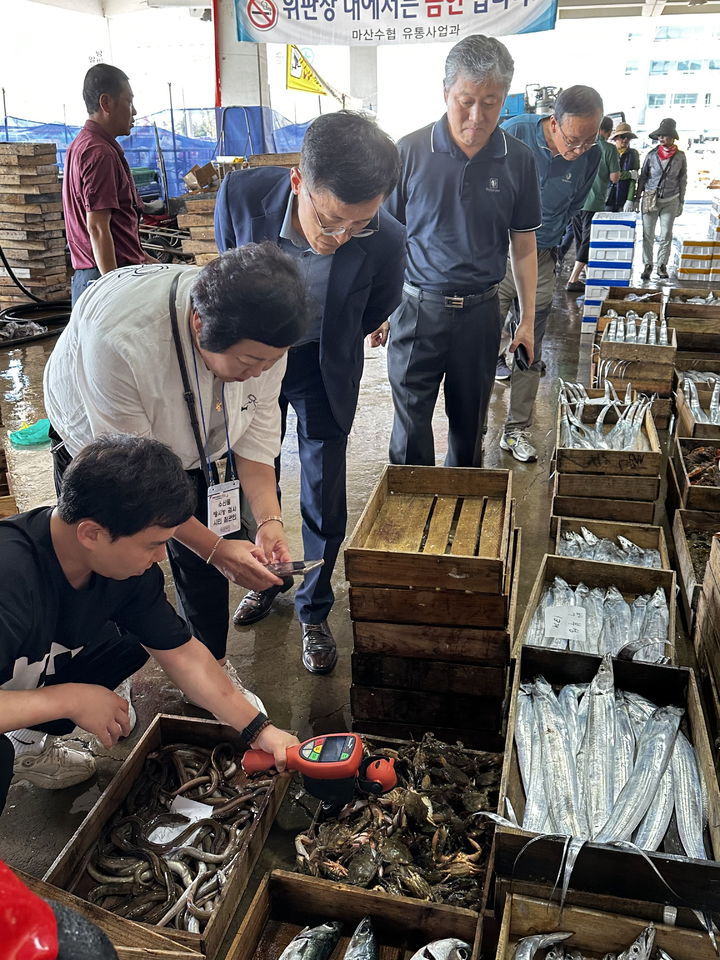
(188, 395)
(664, 173)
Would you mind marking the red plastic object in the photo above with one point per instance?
(382, 771)
(313, 757)
(27, 924)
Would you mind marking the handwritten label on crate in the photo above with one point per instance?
(565, 623)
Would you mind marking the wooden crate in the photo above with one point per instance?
(605, 876)
(687, 425)
(285, 903)
(594, 933)
(623, 487)
(493, 741)
(644, 536)
(601, 508)
(433, 527)
(700, 334)
(690, 309)
(627, 464)
(273, 160)
(694, 496)
(708, 685)
(654, 354)
(630, 581)
(131, 940)
(673, 500)
(685, 522)
(67, 871)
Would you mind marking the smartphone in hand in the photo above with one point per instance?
(294, 568)
(521, 357)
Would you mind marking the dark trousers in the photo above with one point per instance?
(582, 221)
(80, 280)
(429, 342)
(106, 661)
(322, 445)
(202, 591)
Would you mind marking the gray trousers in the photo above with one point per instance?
(524, 383)
(429, 342)
(666, 212)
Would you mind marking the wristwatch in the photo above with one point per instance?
(253, 729)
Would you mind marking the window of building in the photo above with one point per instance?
(632, 66)
(708, 99)
(656, 99)
(689, 66)
(660, 66)
(685, 99)
(676, 33)
(713, 64)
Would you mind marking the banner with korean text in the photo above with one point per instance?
(373, 22)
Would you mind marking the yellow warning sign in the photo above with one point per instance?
(300, 75)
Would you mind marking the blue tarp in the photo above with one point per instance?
(240, 132)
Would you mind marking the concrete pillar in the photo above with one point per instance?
(363, 76)
(243, 66)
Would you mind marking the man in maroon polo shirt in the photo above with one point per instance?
(101, 205)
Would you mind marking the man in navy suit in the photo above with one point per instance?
(326, 214)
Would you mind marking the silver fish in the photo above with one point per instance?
(688, 798)
(631, 330)
(599, 748)
(714, 416)
(449, 949)
(637, 616)
(654, 750)
(313, 943)
(616, 622)
(624, 745)
(654, 632)
(663, 339)
(524, 732)
(652, 829)
(529, 946)
(363, 943)
(642, 947)
(558, 762)
(652, 331)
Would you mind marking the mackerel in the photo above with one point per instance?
(558, 763)
(654, 750)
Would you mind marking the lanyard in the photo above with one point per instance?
(230, 457)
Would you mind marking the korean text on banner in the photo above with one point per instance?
(372, 22)
(300, 75)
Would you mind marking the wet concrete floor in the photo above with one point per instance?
(36, 823)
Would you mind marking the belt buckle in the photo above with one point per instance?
(457, 303)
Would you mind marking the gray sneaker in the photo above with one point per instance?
(503, 371)
(517, 442)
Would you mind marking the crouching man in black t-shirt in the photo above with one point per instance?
(83, 604)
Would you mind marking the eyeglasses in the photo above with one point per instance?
(573, 146)
(339, 231)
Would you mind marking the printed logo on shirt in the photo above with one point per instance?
(251, 402)
(568, 177)
(493, 185)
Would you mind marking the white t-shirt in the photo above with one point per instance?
(114, 369)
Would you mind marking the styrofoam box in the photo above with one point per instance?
(612, 254)
(695, 263)
(617, 272)
(591, 309)
(699, 248)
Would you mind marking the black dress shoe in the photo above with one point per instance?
(256, 604)
(319, 653)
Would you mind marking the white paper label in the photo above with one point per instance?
(188, 808)
(565, 623)
(224, 508)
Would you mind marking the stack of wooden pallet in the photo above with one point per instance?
(198, 220)
(31, 222)
(620, 485)
(432, 565)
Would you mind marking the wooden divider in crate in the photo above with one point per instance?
(607, 877)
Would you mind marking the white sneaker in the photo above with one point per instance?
(56, 766)
(125, 691)
(232, 675)
(517, 442)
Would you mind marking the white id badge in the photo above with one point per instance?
(224, 507)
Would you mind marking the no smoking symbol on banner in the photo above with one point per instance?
(262, 14)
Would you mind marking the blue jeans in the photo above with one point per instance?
(80, 281)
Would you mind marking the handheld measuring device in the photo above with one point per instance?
(333, 768)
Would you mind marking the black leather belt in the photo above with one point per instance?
(452, 302)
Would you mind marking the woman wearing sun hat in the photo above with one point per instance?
(621, 194)
(661, 192)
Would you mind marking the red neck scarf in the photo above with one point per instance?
(666, 152)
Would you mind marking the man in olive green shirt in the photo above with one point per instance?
(608, 172)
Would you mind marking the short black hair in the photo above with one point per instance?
(100, 79)
(126, 484)
(250, 293)
(578, 101)
(606, 124)
(349, 155)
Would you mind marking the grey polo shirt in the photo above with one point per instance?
(314, 269)
(459, 212)
(564, 184)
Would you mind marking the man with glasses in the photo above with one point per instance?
(351, 254)
(567, 156)
(468, 193)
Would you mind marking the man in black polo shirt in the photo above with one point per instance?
(83, 604)
(467, 193)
